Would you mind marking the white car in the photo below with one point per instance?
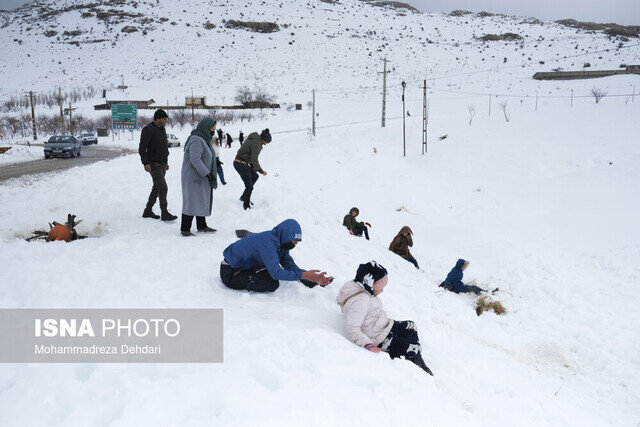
(87, 138)
(172, 140)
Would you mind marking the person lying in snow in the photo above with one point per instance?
(356, 228)
(367, 323)
(453, 282)
(259, 261)
(401, 243)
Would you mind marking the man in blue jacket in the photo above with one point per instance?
(453, 282)
(259, 261)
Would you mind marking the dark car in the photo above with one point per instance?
(62, 146)
(88, 138)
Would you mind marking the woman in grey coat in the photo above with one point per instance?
(198, 177)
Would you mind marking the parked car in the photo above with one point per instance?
(62, 146)
(172, 140)
(88, 138)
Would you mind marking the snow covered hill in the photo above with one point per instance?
(165, 49)
(545, 207)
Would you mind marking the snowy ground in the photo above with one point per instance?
(544, 206)
(19, 153)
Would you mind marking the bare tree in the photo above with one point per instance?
(472, 112)
(181, 117)
(243, 95)
(503, 105)
(598, 94)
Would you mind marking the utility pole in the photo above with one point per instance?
(489, 105)
(404, 130)
(572, 97)
(313, 114)
(424, 117)
(192, 113)
(33, 116)
(536, 100)
(384, 91)
(61, 110)
(633, 94)
(70, 119)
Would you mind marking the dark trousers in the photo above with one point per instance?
(256, 280)
(412, 260)
(159, 189)
(402, 340)
(461, 288)
(249, 178)
(363, 229)
(221, 174)
(187, 220)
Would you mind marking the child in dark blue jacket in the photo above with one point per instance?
(453, 282)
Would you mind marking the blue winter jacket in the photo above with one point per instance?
(454, 278)
(264, 250)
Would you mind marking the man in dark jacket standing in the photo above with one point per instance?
(154, 154)
(247, 165)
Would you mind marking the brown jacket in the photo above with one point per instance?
(401, 244)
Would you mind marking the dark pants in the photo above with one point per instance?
(256, 280)
(221, 174)
(412, 260)
(159, 189)
(249, 178)
(363, 229)
(461, 288)
(187, 220)
(402, 340)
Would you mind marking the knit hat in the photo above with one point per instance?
(368, 274)
(160, 114)
(265, 136)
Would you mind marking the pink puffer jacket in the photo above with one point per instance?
(367, 322)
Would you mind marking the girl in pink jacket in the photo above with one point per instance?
(367, 323)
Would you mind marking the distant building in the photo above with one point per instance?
(139, 104)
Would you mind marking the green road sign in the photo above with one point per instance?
(124, 116)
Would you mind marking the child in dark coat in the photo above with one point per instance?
(356, 228)
(401, 243)
(453, 282)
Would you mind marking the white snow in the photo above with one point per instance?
(545, 207)
(18, 153)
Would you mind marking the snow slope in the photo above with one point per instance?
(534, 204)
(544, 206)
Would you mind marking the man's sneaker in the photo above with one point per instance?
(246, 205)
(207, 230)
(148, 213)
(166, 216)
(187, 233)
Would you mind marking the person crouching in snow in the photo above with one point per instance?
(356, 228)
(401, 243)
(367, 323)
(453, 282)
(259, 261)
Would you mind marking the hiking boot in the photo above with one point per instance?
(207, 230)
(417, 360)
(187, 233)
(246, 205)
(166, 216)
(148, 213)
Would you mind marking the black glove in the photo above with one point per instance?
(211, 177)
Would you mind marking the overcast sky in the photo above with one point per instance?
(625, 12)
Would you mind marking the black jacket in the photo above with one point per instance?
(153, 145)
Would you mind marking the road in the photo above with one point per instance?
(90, 154)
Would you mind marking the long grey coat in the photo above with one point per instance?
(197, 192)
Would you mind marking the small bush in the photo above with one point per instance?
(258, 27)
